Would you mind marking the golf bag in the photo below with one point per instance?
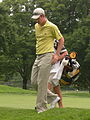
(71, 71)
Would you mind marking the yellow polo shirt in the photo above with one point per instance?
(45, 36)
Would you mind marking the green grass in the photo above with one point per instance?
(24, 101)
(27, 101)
(74, 99)
(54, 114)
(18, 104)
(14, 90)
(17, 97)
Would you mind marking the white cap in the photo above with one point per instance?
(37, 12)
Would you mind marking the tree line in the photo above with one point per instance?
(17, 35)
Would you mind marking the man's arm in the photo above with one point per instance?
(60, 46)
(55, 57)
(63, 55)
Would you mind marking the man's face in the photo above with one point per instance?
(39, 20)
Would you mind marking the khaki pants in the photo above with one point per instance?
(40, 75)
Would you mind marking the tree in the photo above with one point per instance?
(19, 40)
(79, 41)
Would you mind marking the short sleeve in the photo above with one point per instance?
(56, 32)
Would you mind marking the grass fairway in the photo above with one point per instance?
(77, 99)
(17, 101)
(27, 101)
(18, 104)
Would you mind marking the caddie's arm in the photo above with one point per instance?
(55, 57)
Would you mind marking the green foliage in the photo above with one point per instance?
(79, 41)
(18, 41)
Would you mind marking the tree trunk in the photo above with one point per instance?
(89, 90)
(24, 83)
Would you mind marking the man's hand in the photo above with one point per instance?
(55, 58)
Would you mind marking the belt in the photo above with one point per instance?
(44, 54)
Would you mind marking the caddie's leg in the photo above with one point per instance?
(58, 91)
(56, 88)
(51, 96)
(49, 86)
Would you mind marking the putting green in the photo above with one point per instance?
(17, 101)
(76, 102)
(27, 101)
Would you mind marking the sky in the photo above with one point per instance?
(0, 0)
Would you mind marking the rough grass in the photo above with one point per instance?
(54, 114)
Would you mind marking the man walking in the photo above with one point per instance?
(45, 32)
